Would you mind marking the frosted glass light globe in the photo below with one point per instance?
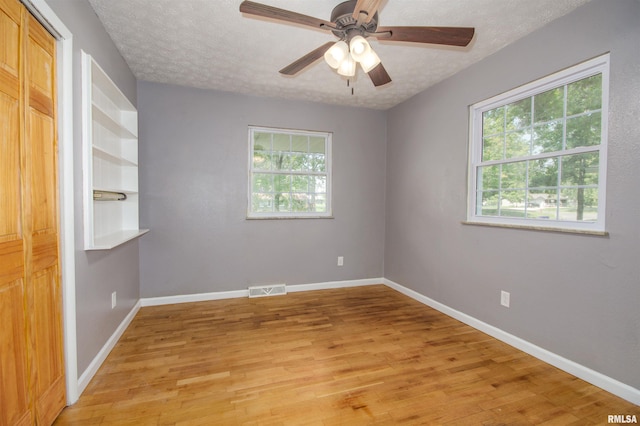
(336, 54)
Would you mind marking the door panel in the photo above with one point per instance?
(42, 167)
(50, 385)
(10, 13)
(14, 402)
(9, 168)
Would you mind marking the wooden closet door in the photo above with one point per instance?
(32, 387)
(40, 201)
(14, 380)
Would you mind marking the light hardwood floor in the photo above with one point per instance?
(364, 355)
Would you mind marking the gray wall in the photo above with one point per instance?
(577, 296)
(193, 149)
(98, 274)
(193, 189)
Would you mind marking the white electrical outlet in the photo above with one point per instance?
(340, 260)
(505, 297)
(113, 300)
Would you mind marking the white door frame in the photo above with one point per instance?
(64, 72)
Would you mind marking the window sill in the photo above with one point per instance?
(287, 217)
(540, 228)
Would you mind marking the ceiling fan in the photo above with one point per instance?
(353, 21)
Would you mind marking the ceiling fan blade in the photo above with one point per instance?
(366, 7)
(257, 9)
(379, 76)
(306, 60)
(451, 36)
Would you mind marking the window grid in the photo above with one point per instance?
(289, 173)
(553, 196)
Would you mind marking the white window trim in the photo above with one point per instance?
(598, 65)
(291, 215)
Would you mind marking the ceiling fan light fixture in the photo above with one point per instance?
(369, 61)
(359, 48)
(337, 54)
(347, 67)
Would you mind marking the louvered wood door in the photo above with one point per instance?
(32, 388)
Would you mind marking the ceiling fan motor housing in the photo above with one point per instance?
(347, 28)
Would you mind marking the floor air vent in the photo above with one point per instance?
(267, 290)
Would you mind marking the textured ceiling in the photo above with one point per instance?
(210, 44)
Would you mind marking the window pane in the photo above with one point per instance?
(262, 202)
(489, 177)
(580, 169)
(262, 160)
(518, 143)
(262, 141)
(543, 173)
(281, 203)
(318, 203)
(542, 204)
(299, 202)
(584, 95)
(549, 105)
(493, 148)
(547, 137)
(318, 184)
(318, 163)
(281, 142)
(281, 161)
(514, 175)
(579, 204)
(282, 183)
(487, 203)
(512, 203)
(584, 130)
(299, 183)
(298, 162)
(518, 114)
(493, 121)
(262, 182)
(299, 143)
(316, 145)
(308, 162)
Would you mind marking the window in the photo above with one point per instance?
(290, 173)
(538, 152)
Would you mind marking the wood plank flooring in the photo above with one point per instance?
(364, 355)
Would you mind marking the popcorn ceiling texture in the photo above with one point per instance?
(209, 44)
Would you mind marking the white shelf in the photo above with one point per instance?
(107, 242)
(110, 125)
(114, 158)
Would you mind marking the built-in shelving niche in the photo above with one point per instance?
(110, 126)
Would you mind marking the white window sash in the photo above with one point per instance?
(598, 65)
(327, 136)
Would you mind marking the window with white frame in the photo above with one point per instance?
(538, 152)
(289, 173)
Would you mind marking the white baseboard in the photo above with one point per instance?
(334, 284)
(607, 383)
(188, 298)
(92, 369)
(219, 295)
